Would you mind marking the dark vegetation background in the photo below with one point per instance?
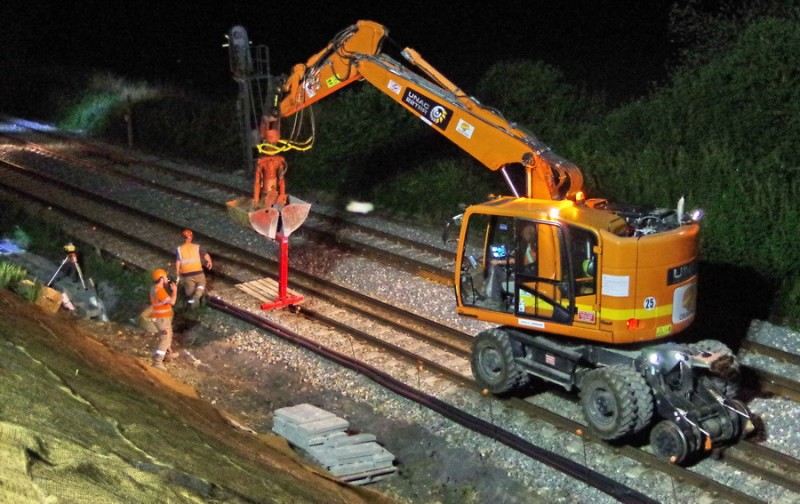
(719, 124)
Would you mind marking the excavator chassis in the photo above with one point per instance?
(688, 391)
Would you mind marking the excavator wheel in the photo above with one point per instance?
(642, 395)
(609, 404)
(493, 364)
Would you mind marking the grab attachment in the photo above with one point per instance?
(270, 206)
(265, 221)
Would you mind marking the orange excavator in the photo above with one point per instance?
(582, 293)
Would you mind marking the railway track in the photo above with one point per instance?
(247, 261)
(425, 259)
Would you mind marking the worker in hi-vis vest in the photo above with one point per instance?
(189, 259)
(161, 302)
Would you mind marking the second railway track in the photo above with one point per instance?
(248, 255)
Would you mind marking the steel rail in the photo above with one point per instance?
(578, 471)
(129, 209)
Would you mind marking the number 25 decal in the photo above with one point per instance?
(649, 303)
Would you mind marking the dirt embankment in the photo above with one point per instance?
(83, 423)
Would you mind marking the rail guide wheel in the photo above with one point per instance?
(672, 442)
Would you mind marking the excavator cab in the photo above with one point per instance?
(537, 269)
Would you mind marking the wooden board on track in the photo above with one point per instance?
(264, 289)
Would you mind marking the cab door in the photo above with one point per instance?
(584, 263)
(543, 287)
(559, 285)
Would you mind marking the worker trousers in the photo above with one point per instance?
(164, 326)
(193, 286)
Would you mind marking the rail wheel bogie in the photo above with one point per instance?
(671, 441)
(623, 390)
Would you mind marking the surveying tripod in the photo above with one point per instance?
(72, 259)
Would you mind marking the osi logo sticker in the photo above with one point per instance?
(683, 302)
(438, 114)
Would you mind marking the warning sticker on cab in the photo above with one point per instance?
(538, 324)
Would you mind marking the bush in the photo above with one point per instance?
(705, 29)
(427, 192)
(789, 299)
(31, 232)
(28, 290)
(723, 135)
(11, 274)
(539, 98)
(184, 126)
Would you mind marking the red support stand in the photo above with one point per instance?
(284, 298)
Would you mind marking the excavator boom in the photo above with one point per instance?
(355, 53)
(331, 69)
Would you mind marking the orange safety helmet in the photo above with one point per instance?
(187, 233)
(157, 274)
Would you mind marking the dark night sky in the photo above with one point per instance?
(607, 46)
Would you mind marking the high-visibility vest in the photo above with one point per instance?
(161, 301)
(530, 256)
(189, 256)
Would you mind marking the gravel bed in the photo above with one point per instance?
(436, 302)
(498, 474)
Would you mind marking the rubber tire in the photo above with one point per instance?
(609, 403)
(729, 389)
(643, 396)
(493, 364)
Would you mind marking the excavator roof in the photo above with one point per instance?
(580, 214)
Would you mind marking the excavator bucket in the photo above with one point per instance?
(294, 214)
(267, 221)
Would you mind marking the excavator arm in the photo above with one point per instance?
(331, 69)
(355, 54)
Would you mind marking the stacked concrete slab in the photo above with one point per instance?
(357, 459)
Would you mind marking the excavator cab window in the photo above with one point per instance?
(542, 284)
(487, 264)
(583, 255)
(532, 268)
